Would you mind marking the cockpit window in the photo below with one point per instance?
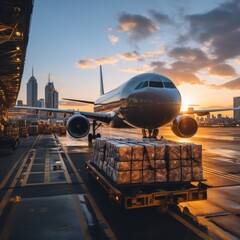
(141, 85)
(155, 84)
(169, 85)
(145, 84)
(138, 86)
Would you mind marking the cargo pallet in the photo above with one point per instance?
(153, 195)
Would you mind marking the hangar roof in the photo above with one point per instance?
(15, 17)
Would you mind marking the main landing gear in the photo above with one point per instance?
(150, 133)
(93, 135)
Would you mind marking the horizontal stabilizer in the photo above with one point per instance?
(77, 100)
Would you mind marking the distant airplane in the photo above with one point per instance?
(147, 101)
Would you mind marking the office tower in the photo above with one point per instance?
(32, 91)
(236, 114)
(208, 120)
(41, 103)
(19, 103)
(51, 95)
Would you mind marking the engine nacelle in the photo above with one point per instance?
(78, 126)
(184, 126)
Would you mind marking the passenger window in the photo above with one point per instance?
(139, 85)
(169, 85)
(156, 84)
(145, 84)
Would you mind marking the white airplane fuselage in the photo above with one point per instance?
(146, 101)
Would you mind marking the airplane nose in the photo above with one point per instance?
(152, 108)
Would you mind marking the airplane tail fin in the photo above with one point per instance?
(101, 82)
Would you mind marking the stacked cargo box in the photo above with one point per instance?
(63, 130)
(23, 131)
(184, 162)
(11, 131)
(33, 130)
(47, 128)
(130, 161)
(23, 128)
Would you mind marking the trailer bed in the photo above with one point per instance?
(140, 196)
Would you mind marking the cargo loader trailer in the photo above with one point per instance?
(159, 195)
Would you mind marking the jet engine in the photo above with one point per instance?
(78, 126)
(184, 126)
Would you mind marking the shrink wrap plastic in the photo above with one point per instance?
(131, 161)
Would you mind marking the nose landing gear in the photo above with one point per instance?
(152, 133)
(93, 135)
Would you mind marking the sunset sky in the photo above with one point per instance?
(194, 43)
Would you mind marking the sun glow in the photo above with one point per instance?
(185, 104)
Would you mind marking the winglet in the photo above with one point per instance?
(101, 82)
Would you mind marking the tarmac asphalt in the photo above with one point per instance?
(46, 193)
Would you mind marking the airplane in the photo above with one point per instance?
(147, 101)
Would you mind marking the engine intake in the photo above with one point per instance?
(78, 126)
(184, 126)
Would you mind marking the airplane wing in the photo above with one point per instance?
(207, 111)
(102, 117)
(77, 100)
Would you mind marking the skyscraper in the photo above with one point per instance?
(51, 95)
(236, 114)
(32, 91)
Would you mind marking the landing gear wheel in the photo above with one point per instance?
(93, 135)
(150, 133)
(90, 138)
(155, 133)
(98, 135)
(144, 133)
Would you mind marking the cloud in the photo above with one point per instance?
(231, 85)
(137, 27)
(177, 74)
(222, 70)
(189, 62)
(218, 27)
(93, 63)
(129, 56)
(86, 63)
(188, 54)
(113, 39)
(134, 70)
(153, 54)
(135, 55)
(160, 17)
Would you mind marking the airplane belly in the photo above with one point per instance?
(150, 111)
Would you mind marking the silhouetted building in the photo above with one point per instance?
(51, 95)
(208, 119)
(32, 91)
(19, 103)
(236, 114)
(41, 103)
